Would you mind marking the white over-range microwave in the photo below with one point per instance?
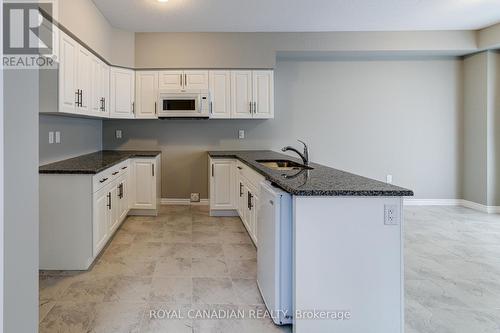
(184, 104)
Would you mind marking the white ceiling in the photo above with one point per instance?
(299, 15)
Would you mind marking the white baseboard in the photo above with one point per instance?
(432, 202)
(184, 202)
(453, 202)
(480, 207)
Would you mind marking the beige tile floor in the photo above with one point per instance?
(185, 260)
(180, 260)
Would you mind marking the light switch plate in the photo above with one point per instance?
(58, 137)
(118, 134)
(241, 134)
(389, 179)
(51, 137)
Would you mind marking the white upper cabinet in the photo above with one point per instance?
(87, 86)
(263, 94)
(171, 80)
(183, 80)
(196, 80)
(241, 94)
(252, 94)
(220, 94)
(96, 87)
(83, 80)
(105, 72)
(68, 94)
(122, 93)
(146, 94)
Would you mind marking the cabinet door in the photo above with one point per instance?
(122, 93)
(96, 87)
(222, 184)
(105, 89)
(241, 196)
(254, 216)
(124, 198)
(101, 219)
(171, 80)
(220, 94)
(196, 80)
(115, 210)
(83, 79)
(146, 94)
(245, 217)
(263, 94)
(144, 175)
(241, 94)
(67, 73)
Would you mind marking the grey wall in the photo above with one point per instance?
(250, 50)
(482, 128)
(475, 131)
(21, 202)
(83, 19)
(78, 136)
(371, 117)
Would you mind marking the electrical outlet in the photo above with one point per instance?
(195, 197)
(51, 137)
(391, 215)
(118, 134)
(389, 179)
(241, 134)
(58, 137)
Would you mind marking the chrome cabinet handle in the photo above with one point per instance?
(124, 168)
(241, 190)
(115, 173)
(103, 180)
(156, 108)
(77, 97)
(181, 80)
(212, 170)
(250, 105)
(185, 80)
(211, 107)
(133, 107)
(153, 169)
(254, 107)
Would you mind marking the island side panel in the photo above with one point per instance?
(347, 259)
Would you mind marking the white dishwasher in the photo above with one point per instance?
(274, 252)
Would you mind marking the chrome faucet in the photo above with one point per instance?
(304, 156)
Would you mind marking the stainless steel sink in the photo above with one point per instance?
(283, 165)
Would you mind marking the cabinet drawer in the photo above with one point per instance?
(109, 175)
(253, 177)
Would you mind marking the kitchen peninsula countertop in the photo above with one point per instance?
(320, 181)
(95, 162)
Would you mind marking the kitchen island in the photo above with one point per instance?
(347, 246)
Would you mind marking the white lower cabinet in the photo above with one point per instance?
(146, 186)
(80, 213)
(235, 190)
(222, 184)
(101, 219)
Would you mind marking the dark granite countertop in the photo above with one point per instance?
(321, 181)
(95, 162)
